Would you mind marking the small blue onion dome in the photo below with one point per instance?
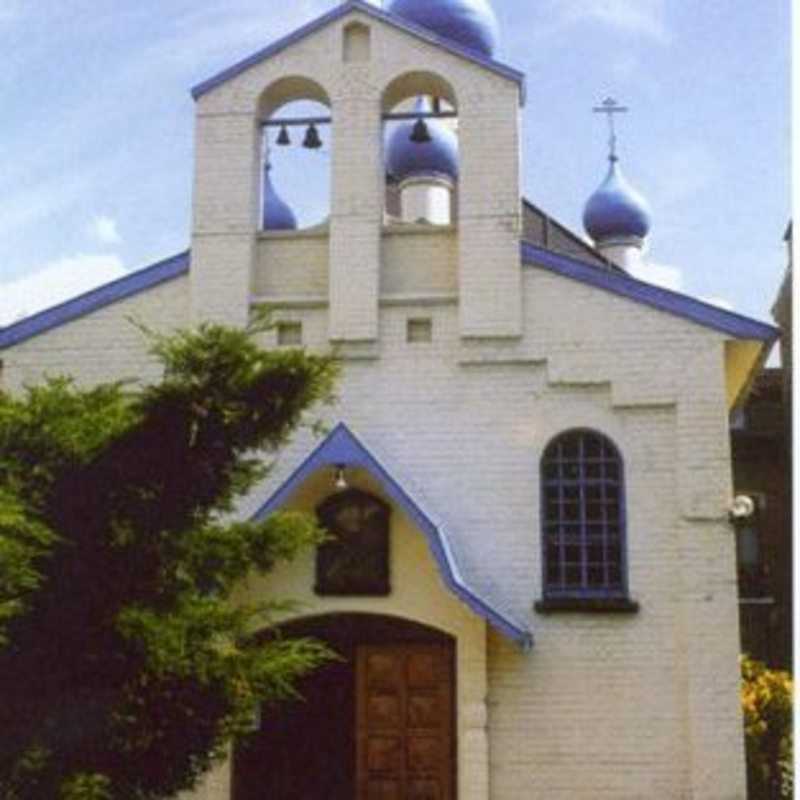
(616, 209)
(469, 23)
(436, 158)
(277, 216)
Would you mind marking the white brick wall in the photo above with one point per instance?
(415, 259)
(626, 706)
(293, 264)
(105, 345)
(419, 259)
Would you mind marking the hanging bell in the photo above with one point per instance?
(283, 137)
(420, 133)
(312, 140)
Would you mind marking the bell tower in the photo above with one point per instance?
(457, 165)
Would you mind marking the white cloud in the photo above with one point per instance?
(683, 172)
(203, 37)
(659, 274)
(104, 230)
(41, 199)
(640, 17)
(56, 282)
(206, 38)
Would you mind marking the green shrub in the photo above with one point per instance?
(127, 664)
(767, 705)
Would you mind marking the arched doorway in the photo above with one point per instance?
(377, 725)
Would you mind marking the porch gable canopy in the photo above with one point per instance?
(343, 447)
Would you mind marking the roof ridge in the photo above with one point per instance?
(667, 300)
(321, 21)
(127, 286)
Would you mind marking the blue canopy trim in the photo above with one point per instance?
(342, 447)
(345, 8)
(680, 305)
(105, 295)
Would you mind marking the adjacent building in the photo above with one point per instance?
(762, 471)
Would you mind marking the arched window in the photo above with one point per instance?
(583, 518)
(355, 558)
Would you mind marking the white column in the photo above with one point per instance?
(626, 253)
(426, 199)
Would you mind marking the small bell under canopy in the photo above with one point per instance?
(411, 154)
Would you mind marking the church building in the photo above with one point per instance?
(531, 573)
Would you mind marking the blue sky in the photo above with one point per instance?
(97, 129)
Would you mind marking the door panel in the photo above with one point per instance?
(404, 712)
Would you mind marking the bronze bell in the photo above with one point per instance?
(312, 140)
(420, 134)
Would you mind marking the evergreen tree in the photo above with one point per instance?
(126, 669)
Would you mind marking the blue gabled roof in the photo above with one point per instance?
(619, 283)
(666, 300)
(105, 295)
(341, 446)
(345, 8)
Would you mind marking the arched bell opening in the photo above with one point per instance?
(377, 722)
(421, 152)
(295, 115)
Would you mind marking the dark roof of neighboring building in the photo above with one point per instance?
(762, 415)
(367, 8)
(540, 228)
(769, 379)
(782, 308)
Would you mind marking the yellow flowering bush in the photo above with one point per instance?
(767, 705)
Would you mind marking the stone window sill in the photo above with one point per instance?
(591, 605)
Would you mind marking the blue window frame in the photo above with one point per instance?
(583, 518)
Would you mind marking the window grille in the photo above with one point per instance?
(583, 517)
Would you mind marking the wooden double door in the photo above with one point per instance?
(404, 723)
(377, 725)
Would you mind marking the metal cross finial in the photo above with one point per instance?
(609, 107)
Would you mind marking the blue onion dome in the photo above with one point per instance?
(616, 210)
(469, 23)
(277, 215)
(435, 158)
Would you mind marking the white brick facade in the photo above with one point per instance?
(617, 706)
